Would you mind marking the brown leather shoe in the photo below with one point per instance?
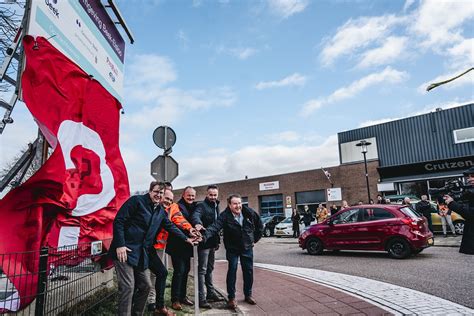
(232, 304)
(163, 311)
(176, 306)
(250, 300)
(187, 301)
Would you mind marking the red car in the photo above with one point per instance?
(393, 228)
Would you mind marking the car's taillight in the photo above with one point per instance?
(413, 223)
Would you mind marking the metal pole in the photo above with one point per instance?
(42, 282)
(196, 281)
(165, 176)
(367, 177)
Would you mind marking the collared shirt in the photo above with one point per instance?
(239, 218)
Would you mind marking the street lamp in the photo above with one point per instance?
(434, 85)
(363, 147)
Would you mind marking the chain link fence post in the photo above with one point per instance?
(42, 282)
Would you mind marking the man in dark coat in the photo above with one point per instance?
(307, 217)
(466, 210)
(424, 208)
(135, 227)
(204, 215)
(181, 253)
(242, 229)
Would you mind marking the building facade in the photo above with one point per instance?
(406, 156)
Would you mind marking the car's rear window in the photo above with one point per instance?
(409, 212)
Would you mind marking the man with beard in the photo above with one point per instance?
(206, 214)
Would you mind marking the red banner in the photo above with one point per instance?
(75, 195)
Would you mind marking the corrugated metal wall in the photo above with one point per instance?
(419, 138)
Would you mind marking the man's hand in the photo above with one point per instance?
(199, 227)
(122, 253)
(192, 241)
(447, 199)
(193, 232)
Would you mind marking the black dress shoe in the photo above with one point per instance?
(187, 301)
(250, 300)
(213, 297)
(205, 304)
(151, 307)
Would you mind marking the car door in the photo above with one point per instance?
(339, 233)
(375, 224)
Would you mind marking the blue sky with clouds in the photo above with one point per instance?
(263, 87)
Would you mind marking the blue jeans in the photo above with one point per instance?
(205, 268)
(246, 262)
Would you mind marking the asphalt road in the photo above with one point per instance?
(440, 271)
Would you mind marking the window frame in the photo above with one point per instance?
(456, 141)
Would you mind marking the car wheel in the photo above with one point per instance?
(267, 232)
(459, 227)
(398, 248)
(314, 246)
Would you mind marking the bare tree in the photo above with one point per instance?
(11, 15)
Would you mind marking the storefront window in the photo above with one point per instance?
(245, 200)
(271, 204)
(416, 188)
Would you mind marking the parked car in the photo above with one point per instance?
(458, 220)
(269, 224)
(394, 228)
(285, 228)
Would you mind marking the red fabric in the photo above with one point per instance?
(78, 117)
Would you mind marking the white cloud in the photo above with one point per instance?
(146, 70)
(282, 137)
(255, 161)
(388, 75)
(357, 34)
(408, 4)
(293, 80)
(286, 8)
(243, 52)
(392, 49)
(439, 23)
(183, 39)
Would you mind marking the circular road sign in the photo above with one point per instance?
(164, 137)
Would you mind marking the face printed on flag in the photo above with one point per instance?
(75, 195)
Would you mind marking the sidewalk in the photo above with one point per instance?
(281, 294)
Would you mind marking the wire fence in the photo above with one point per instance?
(53, 281)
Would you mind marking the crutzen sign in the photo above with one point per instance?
(74, 197)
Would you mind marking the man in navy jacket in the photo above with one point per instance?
(135, 228)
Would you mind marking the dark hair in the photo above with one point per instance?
(168, 185)
(212, 186)
(161, 185)
(233, 196)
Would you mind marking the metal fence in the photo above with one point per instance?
(55, 280)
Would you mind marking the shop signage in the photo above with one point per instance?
(334, 194)
(428, 167)
(288, 201)
(274, 185)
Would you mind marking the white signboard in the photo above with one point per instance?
(274, 185)
(334, 194)
(84, 32)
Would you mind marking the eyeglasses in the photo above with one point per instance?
(158, 191)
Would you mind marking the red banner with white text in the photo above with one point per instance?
(74, 197)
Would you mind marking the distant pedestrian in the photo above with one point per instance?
(445, 214)
(321, 213)
(333, 210)
(371, 201)
(380, 199)
(344, 204)
(407, 202)
(307, 217)
(295, 218)
(387, 201)
(424, 207)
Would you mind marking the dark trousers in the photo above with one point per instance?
(246, 262)
(181, 266)
(430, 223)
(157, 267)
(296, 230)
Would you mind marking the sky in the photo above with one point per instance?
(262, 87)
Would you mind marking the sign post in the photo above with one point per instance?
(164, 168)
